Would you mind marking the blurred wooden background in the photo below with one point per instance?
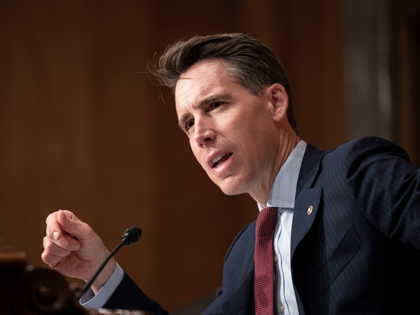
(82, 128)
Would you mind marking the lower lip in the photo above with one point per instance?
(223, 167)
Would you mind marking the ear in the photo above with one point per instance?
(279, 101)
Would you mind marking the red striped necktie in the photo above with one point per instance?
(264, 263)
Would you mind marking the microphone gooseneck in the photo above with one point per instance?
(130, 236)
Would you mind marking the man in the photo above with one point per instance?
(344, 224)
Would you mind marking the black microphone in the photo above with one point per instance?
(130, 236)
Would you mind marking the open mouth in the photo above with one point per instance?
(220, 159)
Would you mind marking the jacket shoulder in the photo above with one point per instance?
(369, 146)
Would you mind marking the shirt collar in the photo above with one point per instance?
(283, 191)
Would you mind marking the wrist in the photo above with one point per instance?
(104, 276)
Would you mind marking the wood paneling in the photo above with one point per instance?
(83, 129)
(408, 69)
(312, 51)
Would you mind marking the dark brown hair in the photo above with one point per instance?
(249, 62)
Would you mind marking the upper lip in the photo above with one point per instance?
(215, 155)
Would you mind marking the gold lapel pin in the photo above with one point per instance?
(310, 210)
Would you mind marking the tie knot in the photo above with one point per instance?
(265, 221)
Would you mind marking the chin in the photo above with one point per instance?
(231, 190)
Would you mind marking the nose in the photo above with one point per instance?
(203, 132)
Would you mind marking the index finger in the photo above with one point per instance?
(56, 234)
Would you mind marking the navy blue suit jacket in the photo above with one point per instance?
(356, 253)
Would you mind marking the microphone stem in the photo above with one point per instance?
(89, 283)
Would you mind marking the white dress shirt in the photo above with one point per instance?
(282, 195)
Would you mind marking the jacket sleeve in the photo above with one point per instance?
(128, 296)
(386, 187)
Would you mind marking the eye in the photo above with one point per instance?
(189, 124)
(215, 105)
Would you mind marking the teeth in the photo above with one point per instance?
(217, 158)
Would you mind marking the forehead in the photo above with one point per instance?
(202, 79)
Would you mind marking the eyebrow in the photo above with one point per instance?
(203, 103)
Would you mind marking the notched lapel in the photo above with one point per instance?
(306, 208)
(306, 195)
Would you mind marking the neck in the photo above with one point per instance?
(287, 142)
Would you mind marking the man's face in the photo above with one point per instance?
(232, 133)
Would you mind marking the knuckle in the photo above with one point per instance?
(49, 247)
(46, 258)
(52, 265)
(50, 217)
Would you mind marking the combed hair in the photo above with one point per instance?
(249, 62)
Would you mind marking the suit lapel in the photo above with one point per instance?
(310, 167)
(307, 202)
(306, 209)
(307, 198)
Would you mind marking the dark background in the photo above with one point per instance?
(82, 127)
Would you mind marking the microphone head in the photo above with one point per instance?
(131, 235)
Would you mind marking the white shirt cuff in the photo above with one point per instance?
(99, 300)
